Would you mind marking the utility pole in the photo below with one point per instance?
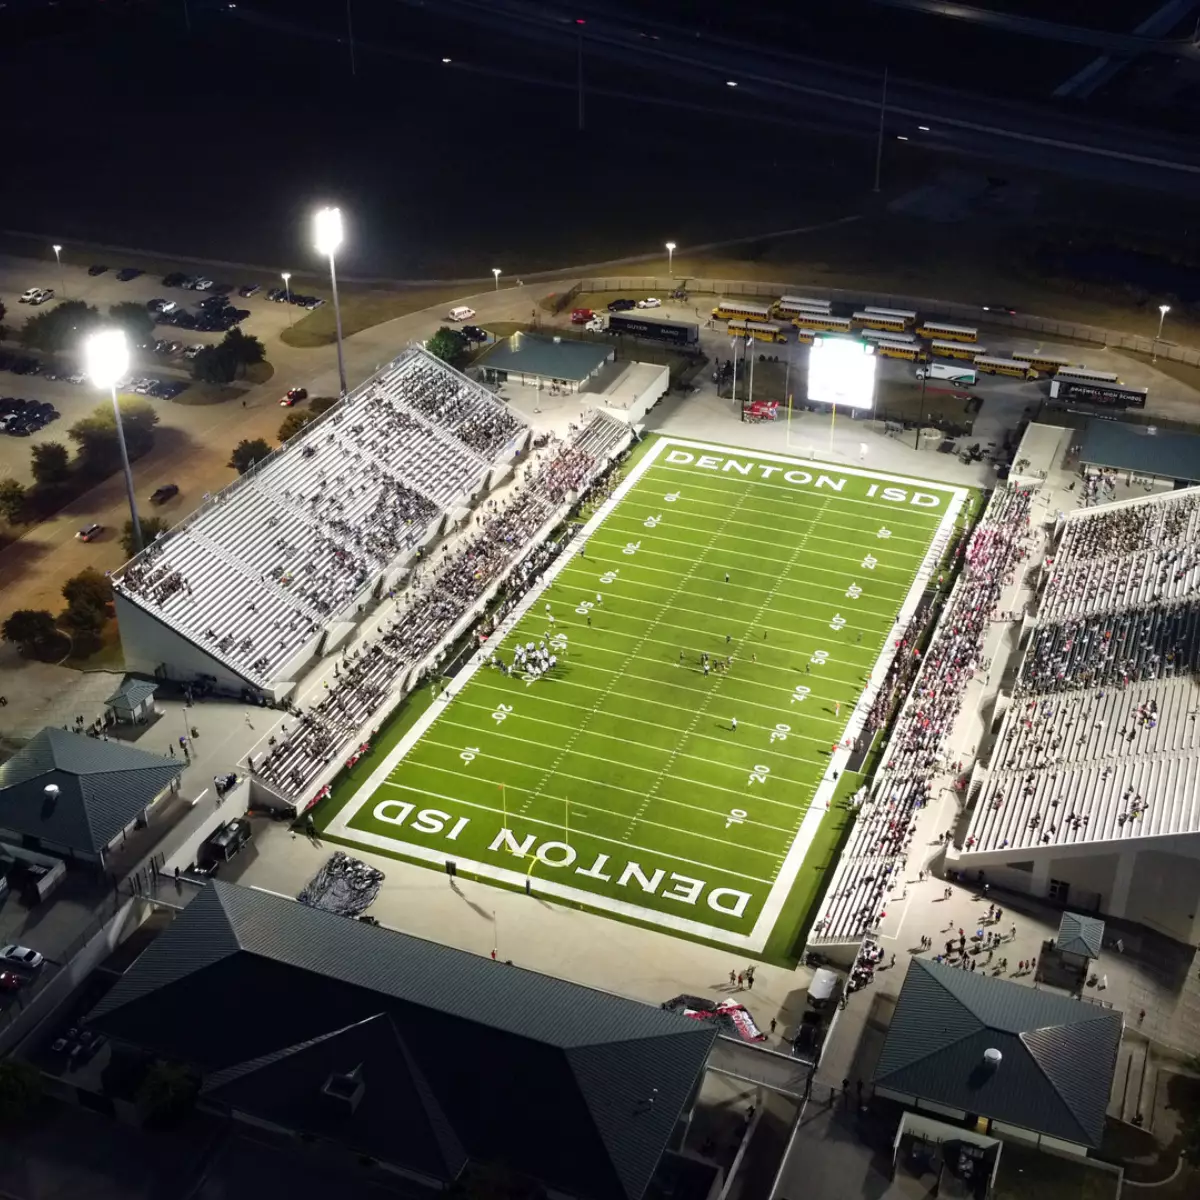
(350, 36)
(879, 144)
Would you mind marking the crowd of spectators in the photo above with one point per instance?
(444, 593)
(990, 560)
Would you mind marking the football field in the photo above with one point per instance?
(719, 630)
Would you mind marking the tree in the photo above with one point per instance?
(89, 589)
(3, 331)
(96, 434)
(134, 319)
(243, 349)
(214, 364)
(12, 500)
(20, 1090)
(448, 344)
(30, 628)
(60, 328)
(247, 452)
(151, 528)
(51, 463)
(293, 423)
(167, 1093)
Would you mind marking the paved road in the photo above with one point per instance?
(842, 97)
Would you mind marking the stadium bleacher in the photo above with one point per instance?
(1101, 741)
(255, 576)
(877, 848)
(432, 608)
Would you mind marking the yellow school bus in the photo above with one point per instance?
(827, 324)
(948, 333)
(956, 350)
(745, 310)
(1004, 366)
(912, 351)
(764, 331)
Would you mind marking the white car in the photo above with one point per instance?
(36, 295)
(20, 956)
(460, 314)
(650, 302)
(202, 285)
(192, 351)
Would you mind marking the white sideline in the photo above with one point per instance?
(756, 939)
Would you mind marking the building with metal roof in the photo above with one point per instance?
(1080, 936)
(75, 796)
(1141, 450)
(1026, 1062)
(541, 361)
(421, 1056)
(133, 701)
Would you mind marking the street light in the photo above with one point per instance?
(496, 273)
(62, 279)
(106, 360)
(1163, 309)
(327, 236)
(287, 292)
(670, 257)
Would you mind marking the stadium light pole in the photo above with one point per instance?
(287, 292)
(62, 279)
(671, 259)
(327, 230)
(1163, 309)
(496, 273)
(106, 360)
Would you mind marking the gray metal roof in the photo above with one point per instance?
(486, 1056)
(131, 693)
(1144, 449)
(1059, 1055)
(102, 787)
(533, 355)
(1078, 934)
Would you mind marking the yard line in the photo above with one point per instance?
(625, 598)
(563, 681)
(765, 484)
(626, 564)
(783, 522)
(619, 716)
(632, 655)
(598, 837)
(673, 753)
(616, 787)
(876, 552)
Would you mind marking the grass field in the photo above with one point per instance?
(617, 779)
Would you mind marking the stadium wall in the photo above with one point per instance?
(154, 649)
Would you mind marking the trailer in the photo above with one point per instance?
(654, 329)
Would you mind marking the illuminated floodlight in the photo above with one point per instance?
(106, 357)
(841, 371)
(327, 231)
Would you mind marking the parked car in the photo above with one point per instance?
(86, 1047)
(192, 351)
(20, 956)
(10, 981)
(201, 284)
(650, 302)
(89, 533)
(36, 295)
(167, 492)
(44, 295)
(1000, 308)
(581, 316)
(224, 844)
(97, 269)
(294, 397)
(279, 295)
(621, 305)
(249, 289)
(473, 333)
(125, 274)
(174, 279)
(462, 313)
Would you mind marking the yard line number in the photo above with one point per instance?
(502, 713)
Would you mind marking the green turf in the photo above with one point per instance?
(625, 753)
